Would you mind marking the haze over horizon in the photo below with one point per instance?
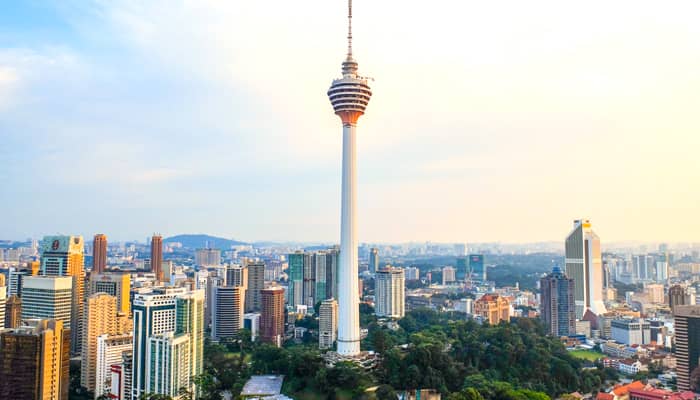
(127, 118)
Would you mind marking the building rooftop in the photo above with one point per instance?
(263, 386)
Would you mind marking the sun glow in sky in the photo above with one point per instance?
(490, 121)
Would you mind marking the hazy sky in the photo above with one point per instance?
(490, 121)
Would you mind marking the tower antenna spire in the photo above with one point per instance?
(349, 28)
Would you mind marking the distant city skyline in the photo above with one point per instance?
(123, 119)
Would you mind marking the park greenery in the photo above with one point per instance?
(462, 359)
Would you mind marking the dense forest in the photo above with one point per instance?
(458, 357)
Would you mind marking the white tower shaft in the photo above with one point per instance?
(348, 296)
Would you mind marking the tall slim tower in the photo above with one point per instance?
(349, 96)
(157, 257)
(585, 266)
(99, 253)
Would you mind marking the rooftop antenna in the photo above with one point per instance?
(349, 29)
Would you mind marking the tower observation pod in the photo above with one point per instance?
(349, 96)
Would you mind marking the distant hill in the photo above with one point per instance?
(201, 241)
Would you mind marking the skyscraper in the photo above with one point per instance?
(557, 307)
(34, 361)
(115, 284)
(207, 257)
(111, 350)
(389, 290)
(272, 316)
(327, 323)
(237, 275)
(585, 266)
(256, 283)
(13, 312)
(449, 275)
(99, 253)
(48, 297)
(157, 257)
(687, 332)
(477, 271)
(100, 318)
(227, 311)
(3, 301)
(373, 260)
(349, 96)
(678, 296)
(63, 256)
(296, 277)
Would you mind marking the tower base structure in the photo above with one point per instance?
(367, 360)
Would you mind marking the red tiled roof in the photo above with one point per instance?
(624, 389)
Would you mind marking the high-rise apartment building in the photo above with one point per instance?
(63, 256)
(48, 297)
(492, 308)
(389, 292)
(207, 257)
(585, 266)
(655, 293)
(256, 283)
(157, 258)
(100, 319)
(227, 311)
(327, 323)
(412, 273)
(557, 306)
(13, 312)
(111, 350)
(115, 284)
(687, 333)
(99, 253)
(373, 260)
(34, 361)
(272, 316)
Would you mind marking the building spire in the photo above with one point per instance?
(349, 29)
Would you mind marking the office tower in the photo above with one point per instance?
(13, 312)
(48, 297)
(114, 284)
(157, 257)
(34, 361)
(272, 316)
(227, 311)
(3, 301)
(448, 275)
(213, 281)
(296, 277)
(477, 271)
(461, 267)
(154, 315)
(492, 308)
(557, 306)
(678, 296)
(662, 269)
(168, 340)
(327, 323)
(389, 293)
(110, 352)
(373, 260)
(321, 265)
(256, 283)
(99, 253)
(251, 322)
(190, 321)
(237, 275)
(207, 257)
(349, 96)
(687, 333)
(630, 331)
(331, 281)
(584, 265)
(63, 256)
(100, 318)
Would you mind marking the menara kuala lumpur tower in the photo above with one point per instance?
(349, 96)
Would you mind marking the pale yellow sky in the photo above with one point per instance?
(490, 120)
